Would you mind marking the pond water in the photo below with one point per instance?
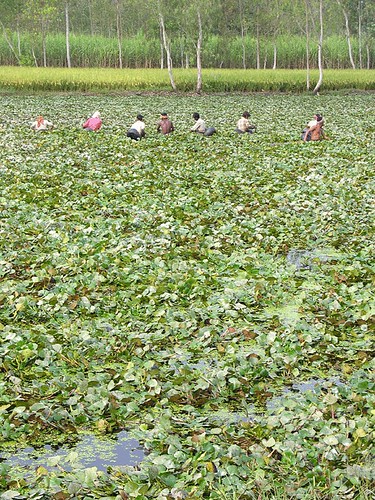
(89, 451)
(313, 385)
(303, 259)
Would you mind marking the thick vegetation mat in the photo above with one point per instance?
(211, 296)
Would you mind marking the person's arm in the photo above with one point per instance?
(195, 127)
(86, 124)
(315, 131)
(158, 127)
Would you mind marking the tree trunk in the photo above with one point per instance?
(90, 17)
(9, 42)
(44, 49)
(307, 45)
(320, 50)
(118, 29)
(166, 47)
(347, 31)
(34, 57)
(199, 53)
(360, 33)
(67, 41)
(18, 40)
(258, 48)
(368, 56)
(242, 36)
(161, 49)
(274, 66)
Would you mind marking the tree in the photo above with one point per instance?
(320, 49)
(119, 31)
(347, 30)
(307, 44)
(166, 45)
(67, 34)
(199, 52)
(38, 14)
(10, 16)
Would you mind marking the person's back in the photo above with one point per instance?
(165, 126)
(244, 125)
(137, 130)
(94, 123)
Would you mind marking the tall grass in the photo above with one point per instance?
(214, 80)
(218, 52)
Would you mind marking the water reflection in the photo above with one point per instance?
(89, 451)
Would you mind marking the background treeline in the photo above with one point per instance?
(235, 33)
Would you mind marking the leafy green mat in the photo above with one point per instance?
(151, 287)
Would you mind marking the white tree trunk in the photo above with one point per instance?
(242, 36)
(18, 41)
(34, 57)
(199, 54)
(44, 52)
(347, 31)
(307, 46)
(166, 47)
(9, 42)
(274, 66)
(320, 50)
(67, 41)
(360, 33)
(118, 29)
(44, 49)
(90, 16)
(368, 56)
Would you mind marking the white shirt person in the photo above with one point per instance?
(41, 125)
(137, 130)
(199, 125)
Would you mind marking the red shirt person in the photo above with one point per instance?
(94, 123)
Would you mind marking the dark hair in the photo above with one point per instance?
(319, 117)
(196, 116)
(139, 117)
(164, 114)
(246, 114)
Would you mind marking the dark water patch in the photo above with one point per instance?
(298, 388)
(304, 259)
(89, 451)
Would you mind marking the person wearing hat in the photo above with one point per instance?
(165, 126)
(244, 126)
(137, 130)
(94, 123)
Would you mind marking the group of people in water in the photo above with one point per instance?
(312, 132)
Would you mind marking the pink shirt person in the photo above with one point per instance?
(94, 123)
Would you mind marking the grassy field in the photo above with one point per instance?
(212, 296)
(214, 80)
